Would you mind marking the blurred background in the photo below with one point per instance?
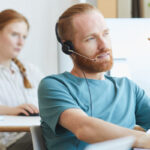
(128, 21)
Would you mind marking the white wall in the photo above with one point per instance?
(93, 2)
(41, 45)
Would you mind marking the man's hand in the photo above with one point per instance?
(139, 128)
(143, 141)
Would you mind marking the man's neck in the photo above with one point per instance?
(80, 73)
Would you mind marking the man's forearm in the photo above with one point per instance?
(96, 130)
(92, 130)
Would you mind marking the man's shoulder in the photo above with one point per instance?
(54, 77)
(117, 79)
(120, 80)
(53, 80)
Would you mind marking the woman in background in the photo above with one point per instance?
(18, 80)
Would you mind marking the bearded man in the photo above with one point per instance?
(84, 105)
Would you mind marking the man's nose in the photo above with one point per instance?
(101, 44)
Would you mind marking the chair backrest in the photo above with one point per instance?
(37, 138)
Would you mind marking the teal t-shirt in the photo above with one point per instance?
(116, 100)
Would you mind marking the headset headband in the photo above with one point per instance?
(67, 45)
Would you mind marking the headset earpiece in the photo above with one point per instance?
(66, 46)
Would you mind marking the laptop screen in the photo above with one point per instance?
(124, 143)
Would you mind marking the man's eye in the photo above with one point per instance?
(91, 38)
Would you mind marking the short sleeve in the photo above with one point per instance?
(142, 108)
(54, 98)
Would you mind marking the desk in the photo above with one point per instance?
(18, 123)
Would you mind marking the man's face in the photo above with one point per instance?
(91, 39)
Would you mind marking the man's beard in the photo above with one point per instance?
(91, 66)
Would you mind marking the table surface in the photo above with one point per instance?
(18, 123)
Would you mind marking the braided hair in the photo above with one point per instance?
(22, 69)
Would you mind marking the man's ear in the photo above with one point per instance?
(63, 41)
(73, 56)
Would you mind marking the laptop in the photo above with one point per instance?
(124, 143)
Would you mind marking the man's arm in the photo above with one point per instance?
(92, 130)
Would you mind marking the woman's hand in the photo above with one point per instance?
(24, 108)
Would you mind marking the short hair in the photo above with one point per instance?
(65, 25)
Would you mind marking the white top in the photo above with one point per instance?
(13, 92)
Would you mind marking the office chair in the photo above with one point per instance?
(37, 138)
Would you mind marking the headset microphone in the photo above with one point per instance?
(72, 51)
(68, 48)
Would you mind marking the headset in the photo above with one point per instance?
(67, 46)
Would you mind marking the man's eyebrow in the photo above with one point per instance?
(92, 34)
